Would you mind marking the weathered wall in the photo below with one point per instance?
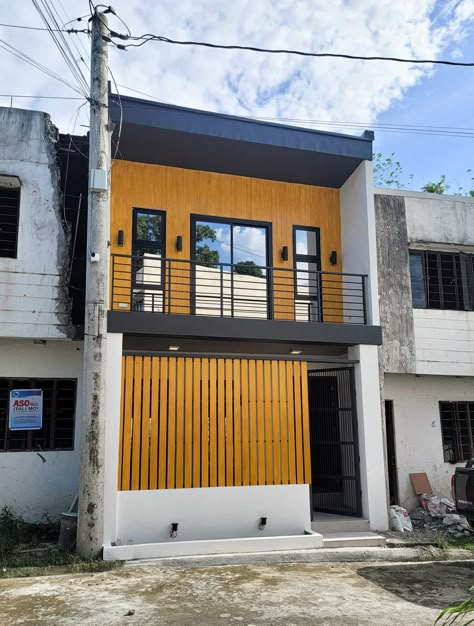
(28, 486)
(418, 428)
(33, 287)
(396, 310)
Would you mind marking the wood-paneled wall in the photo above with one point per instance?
(181, 192)
(208, 422)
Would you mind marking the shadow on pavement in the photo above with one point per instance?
(432, 585)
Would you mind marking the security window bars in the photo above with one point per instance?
(59, 401)
(9, 213)
(457, 428)
(442, 280)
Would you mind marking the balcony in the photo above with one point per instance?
(152, 284)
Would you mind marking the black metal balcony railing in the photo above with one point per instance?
(174, 286)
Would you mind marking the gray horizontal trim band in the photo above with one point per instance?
(200, 327)
(239, 355)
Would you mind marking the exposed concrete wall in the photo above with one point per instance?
(396, 310)
(28, 486)
(33, 287)
(418, 441)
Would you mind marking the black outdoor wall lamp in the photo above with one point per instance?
(120, 238)
(333, 257)
(174, 529)
(284, 253)
(179, 243)
(262, 523)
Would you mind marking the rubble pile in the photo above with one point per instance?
(450, 524)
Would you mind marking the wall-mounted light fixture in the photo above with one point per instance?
(284, 253)
(179, 243)
(120, 238)
(174, 529)
(173, 348)
(295, 351)
(262, 523)
(333, 257)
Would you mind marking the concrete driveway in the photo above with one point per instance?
(309, 594)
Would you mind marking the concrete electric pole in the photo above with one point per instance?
(91, 490)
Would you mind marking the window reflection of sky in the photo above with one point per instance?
(249, 243)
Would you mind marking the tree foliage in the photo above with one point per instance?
(204, 254)
(248, 268)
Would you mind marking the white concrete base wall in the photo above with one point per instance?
(28, 486)
(417, 424)
(211, 513)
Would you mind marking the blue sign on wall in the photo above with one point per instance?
(26, 409)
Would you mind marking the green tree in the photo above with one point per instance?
(388, 172)
(452, 614)
(204, 254)
(148, 227)
(248, 268)
(440, 186)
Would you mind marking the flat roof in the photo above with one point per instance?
(152, 132)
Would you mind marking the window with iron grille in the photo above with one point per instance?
(59, 402)
(442, 280)
(9, 213)
(457, 428)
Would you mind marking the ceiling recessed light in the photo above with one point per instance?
(296, 351)
(173, 348)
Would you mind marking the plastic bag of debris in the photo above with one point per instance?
(436, 506)
(400, 520)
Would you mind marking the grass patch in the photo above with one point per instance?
(459, 543)
(29, 550)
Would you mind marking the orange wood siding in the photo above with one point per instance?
(199, 422)
(182, 192)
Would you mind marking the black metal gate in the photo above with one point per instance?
(334, 442)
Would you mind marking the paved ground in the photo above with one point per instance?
(287, 594)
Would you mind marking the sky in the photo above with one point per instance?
(277, 86)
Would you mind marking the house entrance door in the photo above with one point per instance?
(335, 477)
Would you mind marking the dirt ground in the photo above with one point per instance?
(289, 594)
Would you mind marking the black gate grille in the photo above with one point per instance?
(334, 442)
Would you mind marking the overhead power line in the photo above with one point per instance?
(46, 30)
(356, 57)
(12, 95)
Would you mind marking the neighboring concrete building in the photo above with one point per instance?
(39, 469)
(243, 335)
(426, 283)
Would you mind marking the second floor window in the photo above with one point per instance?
(9, 214)
(442, 280)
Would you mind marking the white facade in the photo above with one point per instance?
(35, 323)
(30, 487)
(418, 442)
(33, 286)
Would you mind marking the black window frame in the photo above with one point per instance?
(17, 191)
(435, 288)
(136, 243)
(44, 439)
(231, 221)
(308, 258)
(458, 440)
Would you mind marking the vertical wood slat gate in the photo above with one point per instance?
(209, 422)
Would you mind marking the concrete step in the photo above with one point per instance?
(353, 540)
(340, 524)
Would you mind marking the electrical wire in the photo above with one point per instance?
(48, 14)
(36, 64)
(204, 44)
(46, 30)
(10, 95)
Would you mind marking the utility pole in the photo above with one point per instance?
(91, 491)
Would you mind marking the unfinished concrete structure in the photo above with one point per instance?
(426, 282)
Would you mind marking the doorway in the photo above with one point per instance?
(391, 452)
(335, 476)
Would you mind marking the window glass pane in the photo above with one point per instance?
(449, 273)
(417, 281)
(249, 250)
(306, 279)
(148, 226)
(212, 243)
(306, 242)
(9, 204)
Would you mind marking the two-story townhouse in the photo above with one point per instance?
(39, 468)
(426, 283)
(243, 393)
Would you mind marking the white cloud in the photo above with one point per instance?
(249, 83)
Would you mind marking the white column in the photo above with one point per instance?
(112, 431)
(371, 449)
